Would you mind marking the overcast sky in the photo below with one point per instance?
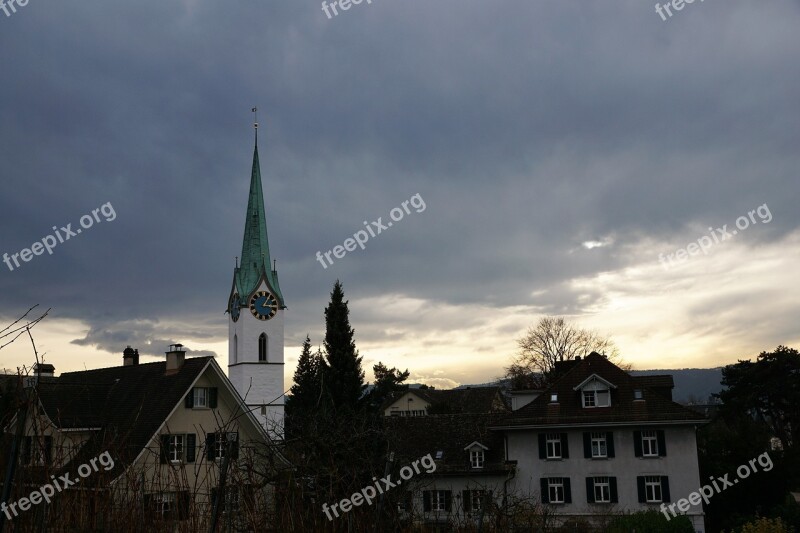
(559, 147)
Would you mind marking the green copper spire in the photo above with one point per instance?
(255, 260)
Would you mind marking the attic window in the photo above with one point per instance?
(439, 454)
(476, 458)
(554, 397)
(637, 394)
(596, 394)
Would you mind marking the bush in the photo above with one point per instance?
(649, 522)
(765, 525)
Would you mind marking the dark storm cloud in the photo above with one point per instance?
(527, 127)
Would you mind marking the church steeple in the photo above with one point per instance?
(255, 259)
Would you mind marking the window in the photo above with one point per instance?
(637, 394)
(168, 505)
(439, 454)
(202, 398)
(554, 398)
(553, 446)
(476, 458)
(596, 394)
(262, 347)
(231, 504)
(473, 500)
(652, 489)
(602, 490)
(436, 501)
(556, 490)
(217, 445)
(176, 448)
(588, 398)
(235, 349)
(649, 444)
(599, 447)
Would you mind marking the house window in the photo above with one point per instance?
(168, 505)
(262, 347)
(175, 451)
(235, 349)
(599, 445)
(596, 394)
(473, 500)
(553, 446)
(637, 394)
(555, 490)
(476, 458)
(439, 454)
(602, 490)
(554, 398)
(649, 443)
(436, 501)
(231, 504)
(200, 397)
(652, 489)
(217, 445)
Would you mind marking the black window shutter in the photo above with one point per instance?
(426, 501)
(182, 502)
(590, 489)
(665, 489)
(214, 491)
(662, 443)
(587, 446)
(191, 447)
(610, 444)
(164, 448)
(612, 481)
(212, 397)
(190, 399)
(467, 501)
(542, 446)
(48, 449)
(564, 446)
(26, 451)
(640, 487)
(567, 491)
(211, 449)
(448, 501)
(637, 443)
(545, 494)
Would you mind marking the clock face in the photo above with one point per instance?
(263, 305)
(234, 307)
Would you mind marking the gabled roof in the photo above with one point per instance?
(624, 409)
(414, 437)
(594, 377)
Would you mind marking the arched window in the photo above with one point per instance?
(235, 349)
(262, 347)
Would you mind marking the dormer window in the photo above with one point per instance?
(476, 458)
(595, 392)
(637, 394)
(554, 397)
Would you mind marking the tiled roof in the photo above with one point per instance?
(128, 403)
(414, 437)
(624, 409)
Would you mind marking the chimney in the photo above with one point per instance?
(130, 357)
(175, 358)
(44, 370)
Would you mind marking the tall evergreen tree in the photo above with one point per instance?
(342, 374)
(305, 392)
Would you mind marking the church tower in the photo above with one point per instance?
(255, 317)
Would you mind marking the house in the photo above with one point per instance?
(151, 443)
(596, 443)
(600, 441)
(422, 402)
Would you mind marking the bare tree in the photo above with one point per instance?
(552, 340)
